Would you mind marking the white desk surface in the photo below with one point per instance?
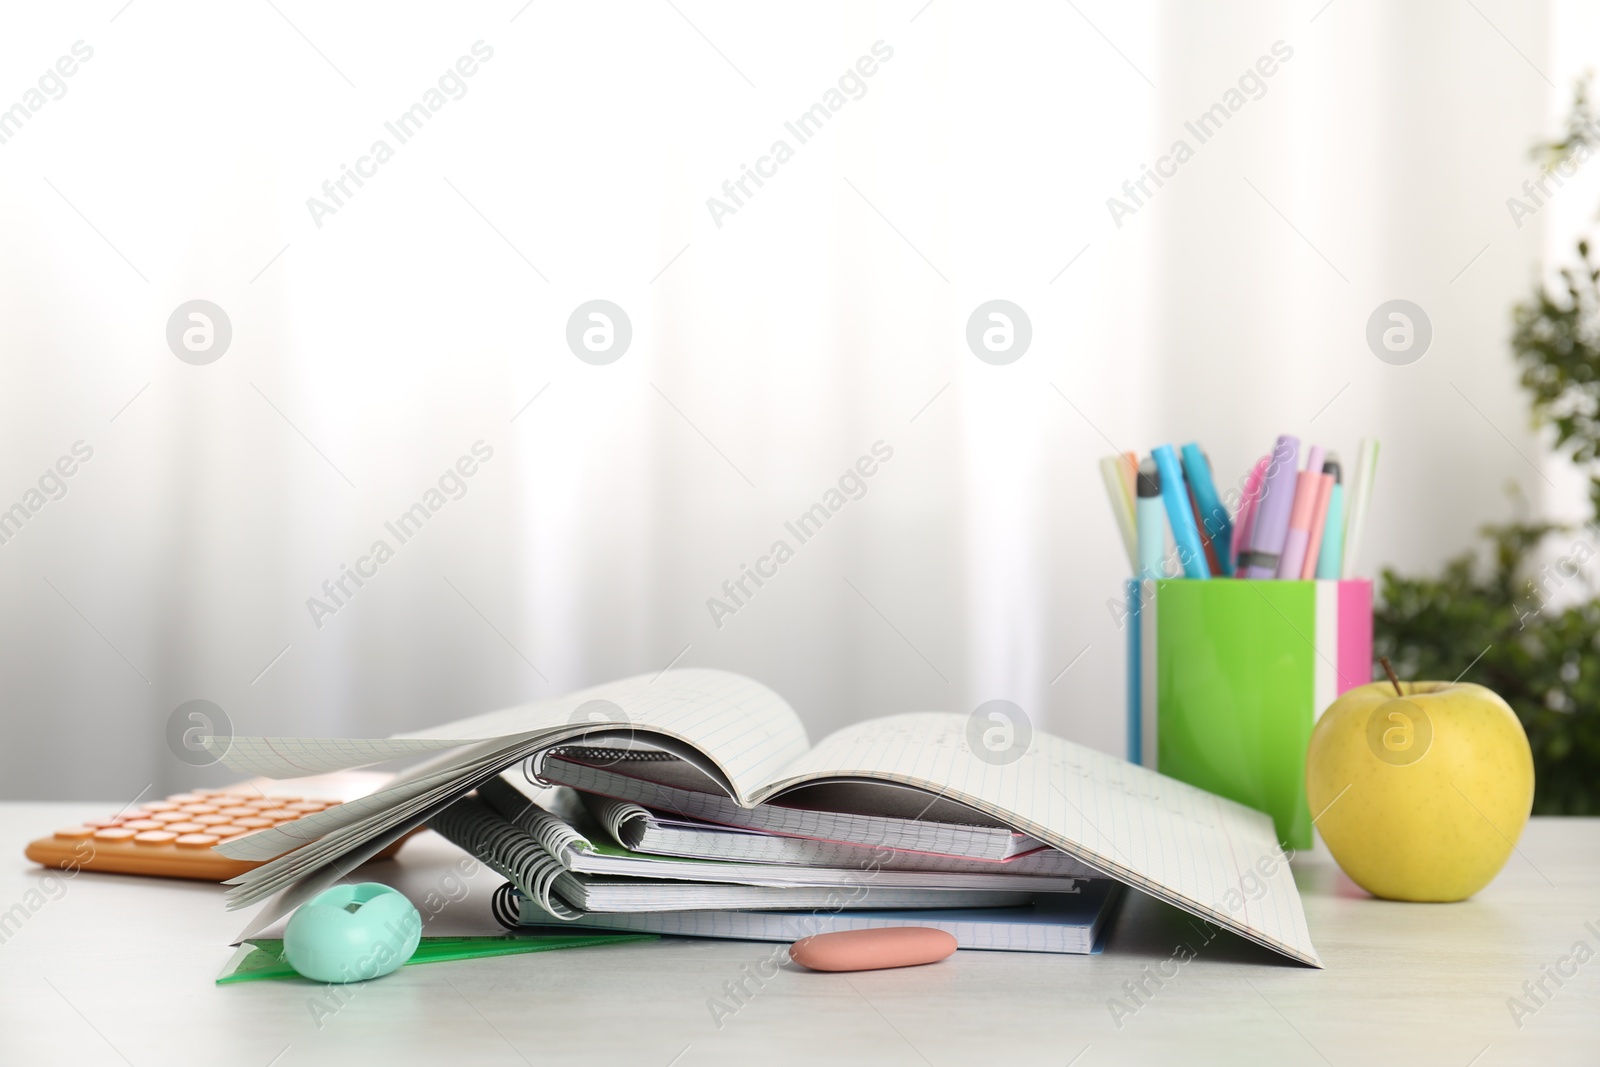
(119, 970)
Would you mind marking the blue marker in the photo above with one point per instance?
(1184, 530)
(1213, 516)
(1135, 707)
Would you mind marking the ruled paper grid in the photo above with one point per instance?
(741, 723)
(993, 843)
(1172, 840)
(1005, 930)
(747, 728)
(260, 882)
(295, 757)
(409, 789)
(644, 832)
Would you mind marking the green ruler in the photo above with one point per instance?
(262, 957)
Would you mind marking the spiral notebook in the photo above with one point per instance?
(545, 867)
(882, 814)
(639, 829)
(1057, 922)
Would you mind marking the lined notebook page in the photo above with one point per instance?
(437, 773)
(294, 757)
(747, 728)
(1209, 856)
(1057, 923)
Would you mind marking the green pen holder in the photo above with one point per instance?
(1226, 678)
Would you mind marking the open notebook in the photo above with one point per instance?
(1195, 850)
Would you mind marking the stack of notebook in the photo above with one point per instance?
(590, 852)
(716, 769)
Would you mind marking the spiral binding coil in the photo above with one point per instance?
(553, 833)
(593, 754)
(615, 815)
(503, 906)
(602, 754)
(506, 849)
(527, 772)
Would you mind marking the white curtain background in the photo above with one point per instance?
(769, 352)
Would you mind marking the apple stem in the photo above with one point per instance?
(1388, 669)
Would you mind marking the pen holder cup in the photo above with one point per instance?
(1227, 677)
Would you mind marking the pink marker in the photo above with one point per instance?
(1245, 521)
(1305, 503)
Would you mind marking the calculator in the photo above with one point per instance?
(173, 838)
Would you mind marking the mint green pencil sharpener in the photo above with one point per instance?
(351, 933)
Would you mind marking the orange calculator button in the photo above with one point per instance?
(196, 840)
(113, 833)
(174, 837)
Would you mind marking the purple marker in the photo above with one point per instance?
(1272, 514)
(1295, 542)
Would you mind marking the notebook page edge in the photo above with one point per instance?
(878, 748)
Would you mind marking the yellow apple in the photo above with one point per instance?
(1421, 796)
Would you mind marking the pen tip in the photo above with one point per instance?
(1149, 483)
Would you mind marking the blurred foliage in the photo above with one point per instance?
(1543, 658)
(1544, 662)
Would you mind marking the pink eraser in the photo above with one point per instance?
(873, 950)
